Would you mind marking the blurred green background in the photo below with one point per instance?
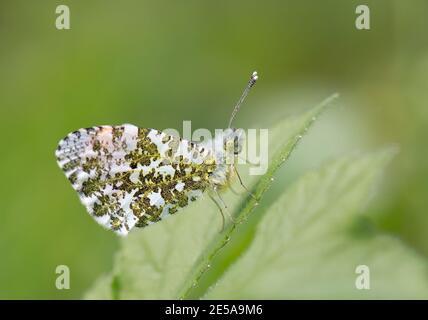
(157, 63)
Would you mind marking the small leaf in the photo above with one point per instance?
(310, 242)
(166, 260)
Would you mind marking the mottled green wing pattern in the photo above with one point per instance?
(128, 176)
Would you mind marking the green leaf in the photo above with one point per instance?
(101, 289)
(167, 260)
(310, 242)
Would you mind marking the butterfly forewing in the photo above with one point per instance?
(128, 176)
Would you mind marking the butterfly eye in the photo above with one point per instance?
(237, 146)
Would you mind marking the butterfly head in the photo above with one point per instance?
(233, 140)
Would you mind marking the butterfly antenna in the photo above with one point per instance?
(250, 84)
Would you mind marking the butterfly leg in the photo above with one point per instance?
(225, 206)
(246, 161)
(234, 191)
(221, 211)
(242, 184)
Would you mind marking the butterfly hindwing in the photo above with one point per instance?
(128, 176)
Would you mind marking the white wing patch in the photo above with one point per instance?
(126, 176)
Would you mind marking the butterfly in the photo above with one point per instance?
(129, 177)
